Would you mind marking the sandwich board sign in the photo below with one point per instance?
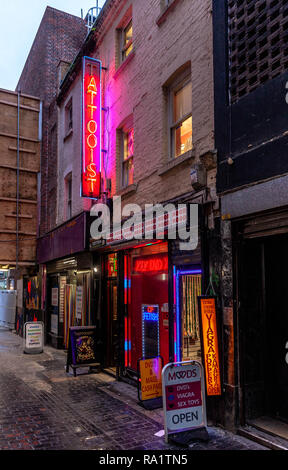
(150, 382)
(183, 397)
(33, 337)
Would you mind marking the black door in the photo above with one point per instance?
(252, 327)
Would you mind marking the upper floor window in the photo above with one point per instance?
(69, 116)
(68, 190)
(127, 160)
(181, 118)
(127, 41)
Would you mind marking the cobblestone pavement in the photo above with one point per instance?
(43, 408)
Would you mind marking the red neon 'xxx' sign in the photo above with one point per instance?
(91, 141)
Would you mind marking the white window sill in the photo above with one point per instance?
(124, 64)
(185, 157)
(132, 188)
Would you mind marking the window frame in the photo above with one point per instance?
(68, 196)
(124, 47)
(126, 131)
(179, 83)
(69, 116)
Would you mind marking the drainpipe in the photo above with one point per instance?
(17, 180)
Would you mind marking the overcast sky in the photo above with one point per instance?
(19, 22)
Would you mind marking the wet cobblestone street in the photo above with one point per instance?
(43, 408)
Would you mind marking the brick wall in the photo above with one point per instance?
(161, 49)
(59, 38)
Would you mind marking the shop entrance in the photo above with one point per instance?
(111, 326)
(263, 297)
(111, 323)
(147, 331)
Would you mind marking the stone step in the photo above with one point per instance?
(266, 439)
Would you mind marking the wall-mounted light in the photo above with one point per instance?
(95, 270)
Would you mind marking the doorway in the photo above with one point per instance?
(112, 325)
(263, 313)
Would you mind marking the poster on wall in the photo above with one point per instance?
(54, 297)
(211, 359)
(79, 302)
(62, 283)
(32, 294)
(54, 324)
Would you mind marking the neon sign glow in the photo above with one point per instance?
(150, 330)
(91, 128)
(151, 264)
(177, 302)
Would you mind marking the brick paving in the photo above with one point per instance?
(43, 408)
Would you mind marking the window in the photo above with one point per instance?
(127, 160)
(68, 184)
(181, 119)
(127, 41)
(69, 117)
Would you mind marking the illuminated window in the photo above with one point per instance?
(128, 154)
(181, 118)
(127, 41)
(68, 190)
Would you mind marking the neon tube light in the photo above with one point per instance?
(177, 301)
(91, 128)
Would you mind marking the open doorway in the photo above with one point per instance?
(263, 312)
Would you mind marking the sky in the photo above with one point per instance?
(19, 22)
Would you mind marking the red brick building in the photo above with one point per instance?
(58, 39)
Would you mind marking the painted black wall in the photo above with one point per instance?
(251, 131)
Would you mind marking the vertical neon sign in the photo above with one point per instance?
(91, 128)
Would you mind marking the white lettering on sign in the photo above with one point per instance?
(286, 357)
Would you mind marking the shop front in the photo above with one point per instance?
(149, 294)
(69, 280)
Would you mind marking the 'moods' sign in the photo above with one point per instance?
(91, 132)
(183, 397)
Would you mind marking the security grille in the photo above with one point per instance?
(258, 43)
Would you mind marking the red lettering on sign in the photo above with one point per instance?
(91, 151)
